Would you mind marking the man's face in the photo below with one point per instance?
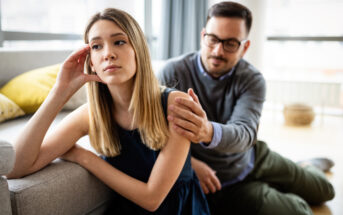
(215, 59)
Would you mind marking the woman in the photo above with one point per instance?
(143, 159)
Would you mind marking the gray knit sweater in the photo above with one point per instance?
(235, 102)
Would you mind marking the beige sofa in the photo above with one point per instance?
(61, 187)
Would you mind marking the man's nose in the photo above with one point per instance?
(218, 49)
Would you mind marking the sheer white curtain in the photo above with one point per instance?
(182, 21)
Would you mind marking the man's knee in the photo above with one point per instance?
(325, 193)
(284, 204)
(322, 190)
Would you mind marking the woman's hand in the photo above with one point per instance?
(76, 154)
(71, 76)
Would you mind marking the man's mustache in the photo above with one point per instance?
(218, 58)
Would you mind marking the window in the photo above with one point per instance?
(39, 24)
(153, 26)
(303, 53)
(305, 38)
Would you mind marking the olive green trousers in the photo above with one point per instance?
(276, 186)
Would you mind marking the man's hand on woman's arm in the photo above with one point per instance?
(190, 119)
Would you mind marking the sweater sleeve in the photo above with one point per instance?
(167, 75)
(240, 131)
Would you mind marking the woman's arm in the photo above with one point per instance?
(33, 149)
(163, 176)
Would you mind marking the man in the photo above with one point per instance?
(239, 174)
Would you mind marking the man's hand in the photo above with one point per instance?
(190, 119)
(209, 182)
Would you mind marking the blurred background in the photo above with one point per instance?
(296, 44)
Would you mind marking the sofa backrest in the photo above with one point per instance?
(15, 62)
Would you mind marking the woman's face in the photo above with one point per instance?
(112, 56)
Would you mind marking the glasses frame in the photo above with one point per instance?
(223, 41)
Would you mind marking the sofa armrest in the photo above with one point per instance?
(5, 202)
(60, 188)
(7, 157)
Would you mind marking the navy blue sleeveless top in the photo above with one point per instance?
(137, 160)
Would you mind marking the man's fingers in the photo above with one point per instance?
(185, 114)
(192, 105)
(215, 181)
(193, 95)
(210, 185)
(183, 124)
(204, 188)
(187, 134)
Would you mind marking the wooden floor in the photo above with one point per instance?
(323, 138)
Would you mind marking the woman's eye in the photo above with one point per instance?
(119, 42)
(95, 47)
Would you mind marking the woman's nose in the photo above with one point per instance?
(110, 54)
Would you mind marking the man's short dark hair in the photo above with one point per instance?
(231, 10)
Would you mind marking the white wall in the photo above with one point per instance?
(134, 7)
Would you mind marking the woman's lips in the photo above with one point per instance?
(111, 68)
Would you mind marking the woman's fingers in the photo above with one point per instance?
(93, 78)
(75, 56)
(76, 60)
(82, 58)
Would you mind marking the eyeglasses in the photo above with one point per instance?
(229, 45)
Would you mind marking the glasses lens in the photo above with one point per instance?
(211, 40)
(231, 45)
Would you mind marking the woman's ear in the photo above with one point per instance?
(91, 66)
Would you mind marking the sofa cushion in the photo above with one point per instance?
(7, 157)
(29, 89)
(14, 62)
(60, 188)
(8, 109)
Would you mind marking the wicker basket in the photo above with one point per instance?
(298, 114)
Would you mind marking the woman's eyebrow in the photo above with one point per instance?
(118, 34)
(112, 35)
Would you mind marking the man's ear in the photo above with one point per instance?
(246, 47)
(202, 34)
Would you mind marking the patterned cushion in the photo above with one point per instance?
(8, 109)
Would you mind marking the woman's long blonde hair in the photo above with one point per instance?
(145, 104)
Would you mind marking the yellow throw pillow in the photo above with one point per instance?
(29, 89)
(9, 109)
